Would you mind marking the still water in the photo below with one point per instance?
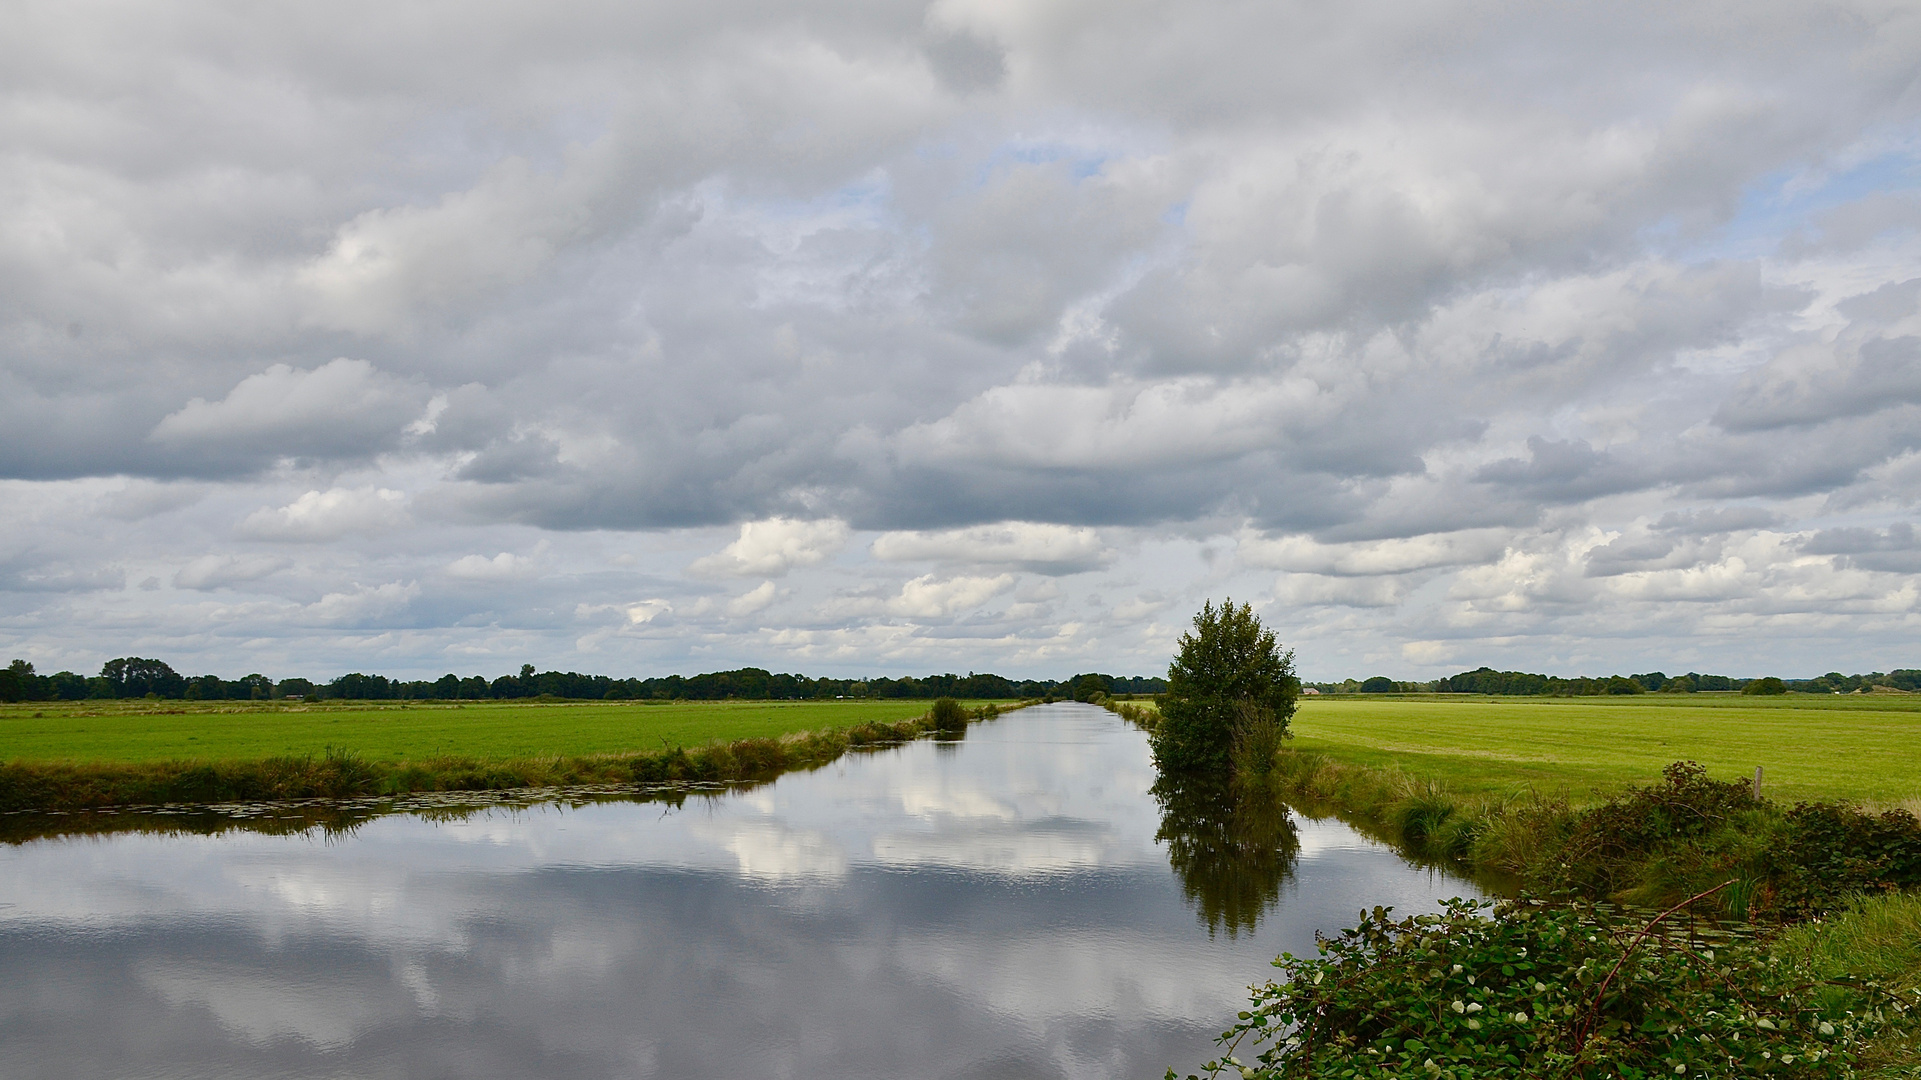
(1013, 905)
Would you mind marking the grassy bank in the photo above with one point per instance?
(1585, 802)
(705, 754)
(1859, 747)
(146, 731)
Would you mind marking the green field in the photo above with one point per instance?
(1861, 747)
(134, 731)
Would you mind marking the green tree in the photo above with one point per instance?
(1230, 673)
(17, 681)
(1085, 687)
(1765, 686)
(133, 676)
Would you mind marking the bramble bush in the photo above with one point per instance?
(1518, 990)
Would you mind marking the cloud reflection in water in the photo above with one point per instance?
(999, 910)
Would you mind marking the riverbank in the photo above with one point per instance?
(1825, 888)
(1812, 746)
(338, 773)
(135, 730)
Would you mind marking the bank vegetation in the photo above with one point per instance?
(338, 773)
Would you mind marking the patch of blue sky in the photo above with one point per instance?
(1789, 201)
(867, 202)
(1083, 162)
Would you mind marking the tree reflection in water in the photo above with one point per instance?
(1232, 845)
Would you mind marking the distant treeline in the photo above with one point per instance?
(1486, 680)
(136, 677)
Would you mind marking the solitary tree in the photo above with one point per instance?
(1230, 674)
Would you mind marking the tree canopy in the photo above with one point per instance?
(1230, 672)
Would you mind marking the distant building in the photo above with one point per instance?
(1310, 690)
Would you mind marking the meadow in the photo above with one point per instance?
(152, 731)
(1864, 747)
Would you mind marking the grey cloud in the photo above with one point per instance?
(1638, 552)
(43, 575)
(1812, 385)
(1895, 549)
(964, 63)
(1040, 548)
(138, 501)
(217, 571)
(1719, 519)
(1889, 303)
(1853, 225)
(344, 408)
(652, 268)
(1821, 458)
(528, 455)
(1563, 470)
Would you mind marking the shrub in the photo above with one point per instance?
(1764, 687)
(1515, 990)
(1833, 851)
(948, 715)
(1606, 846)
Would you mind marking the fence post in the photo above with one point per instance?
(1757, 782)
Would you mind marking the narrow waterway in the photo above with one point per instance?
(1017, 904)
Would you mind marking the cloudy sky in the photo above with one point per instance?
(870, 337)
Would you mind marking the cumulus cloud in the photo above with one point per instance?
(1895, 549)
(319, 516)
(772, 547)
(1036, 546)
(1448, 323)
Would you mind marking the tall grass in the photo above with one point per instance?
(1876, 938)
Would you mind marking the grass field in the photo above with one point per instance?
(1865, 747)
(140, 731)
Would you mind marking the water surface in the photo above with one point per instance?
(1014, 905)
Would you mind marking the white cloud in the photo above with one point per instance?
(647, 611)
(1035, 546)
(772, 547)
(754, 600)
(362, 604)
(502, 567)
(328, 515)
(929, 597)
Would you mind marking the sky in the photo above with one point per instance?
(892, 338)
